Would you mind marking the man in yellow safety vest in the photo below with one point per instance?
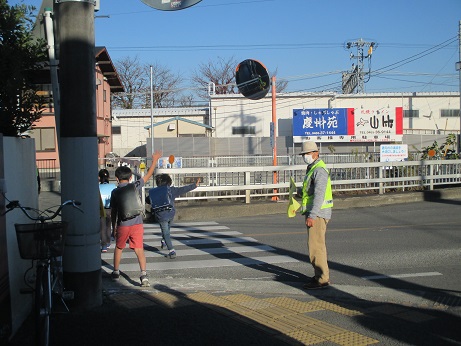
(317, 204)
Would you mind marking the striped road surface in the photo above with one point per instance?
(198, 245)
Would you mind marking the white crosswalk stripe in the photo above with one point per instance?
(191, 239)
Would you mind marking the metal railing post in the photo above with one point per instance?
(247, 192)
(431, 179)
(381, 184)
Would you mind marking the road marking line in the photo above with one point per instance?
(184, 229)
(398, 276)
(217, 240)
(214, 263)
(193, 252)
(191, 235)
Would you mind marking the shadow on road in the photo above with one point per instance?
(433, 325)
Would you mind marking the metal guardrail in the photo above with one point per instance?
(47, 168)
(258, 182)
(253, 160)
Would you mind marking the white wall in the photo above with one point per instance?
(133, 133)
(236, 110)
(21, 185)
(228, 111)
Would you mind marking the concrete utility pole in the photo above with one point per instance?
(355, 79)
(79, 150)
(458, 67)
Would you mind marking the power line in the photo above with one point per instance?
(414, 57)
(271, 46)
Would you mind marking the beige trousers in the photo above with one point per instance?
(318, 249)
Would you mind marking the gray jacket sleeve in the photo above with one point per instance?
(319, 181)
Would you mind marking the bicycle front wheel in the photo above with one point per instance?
(42, 307)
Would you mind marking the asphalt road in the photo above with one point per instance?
(395, 274)
(412, 250)
(413, 246)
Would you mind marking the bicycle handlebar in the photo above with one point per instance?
(41, 217)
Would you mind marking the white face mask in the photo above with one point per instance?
(308, 159)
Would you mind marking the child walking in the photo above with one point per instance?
(165, 217)
(129, 229)
(105, 189)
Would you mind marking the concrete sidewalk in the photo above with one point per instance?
(191, 311)
(228, 312)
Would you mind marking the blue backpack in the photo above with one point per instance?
(160, 198)
(105, 190)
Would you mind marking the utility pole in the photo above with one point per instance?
(79, 151)
(274, 134)
(458, 67)
(355, 79)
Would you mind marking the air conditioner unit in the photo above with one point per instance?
(171, 127)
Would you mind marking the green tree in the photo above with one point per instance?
(20, 55)
(447, 151)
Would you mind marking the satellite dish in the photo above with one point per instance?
(252, 79)
(170, 5)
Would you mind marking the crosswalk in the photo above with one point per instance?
(198, 245)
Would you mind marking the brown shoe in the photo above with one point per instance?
(314, 284)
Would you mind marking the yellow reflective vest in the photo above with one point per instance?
(309, 200)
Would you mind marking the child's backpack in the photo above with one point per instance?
(129, 203)
(106, 190)
(160, 198)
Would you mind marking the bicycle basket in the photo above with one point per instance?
(41, 240)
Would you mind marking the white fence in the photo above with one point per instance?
(254, 160)
(260, 182)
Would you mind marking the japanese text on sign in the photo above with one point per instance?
(328, 121)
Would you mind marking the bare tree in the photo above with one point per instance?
(135, 78)
(185, 100)
(280, 84)
(165, 86)
(222, 73)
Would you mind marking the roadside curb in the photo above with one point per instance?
(198, 211)
(270, 288)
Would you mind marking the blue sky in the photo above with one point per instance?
(304, 40)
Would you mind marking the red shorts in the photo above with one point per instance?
(132, 233)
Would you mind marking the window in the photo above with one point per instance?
(411, 113)
(116, 130)
(244, 130)
(449, 113)
(44, 139)
(104, 95)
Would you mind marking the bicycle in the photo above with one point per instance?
(43, 243)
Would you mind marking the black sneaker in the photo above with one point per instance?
(144, 281)
(162, 244)
(115, 275)
(314, 284)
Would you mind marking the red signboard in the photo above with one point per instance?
(348, 125)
